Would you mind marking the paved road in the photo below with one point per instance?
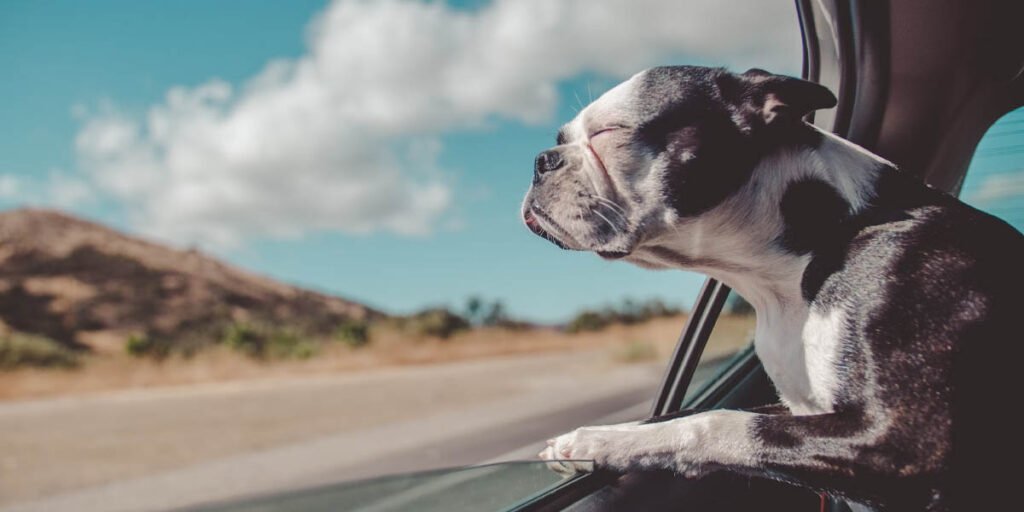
(159, 450)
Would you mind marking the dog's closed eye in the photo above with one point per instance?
(601, 132)
(605, 130)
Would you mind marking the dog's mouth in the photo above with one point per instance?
(612, 255)
(533, 217)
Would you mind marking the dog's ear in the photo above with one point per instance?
(766, 98)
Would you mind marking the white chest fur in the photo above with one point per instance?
(800, 349)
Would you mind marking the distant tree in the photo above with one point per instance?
(489, 313)
(629, 312)
(474, 309)
(495, 314)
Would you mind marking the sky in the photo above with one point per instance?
(374, 150)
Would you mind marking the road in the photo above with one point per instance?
(170, 448)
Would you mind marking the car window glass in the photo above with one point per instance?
(995, 178)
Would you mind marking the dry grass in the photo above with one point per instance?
(389, 347)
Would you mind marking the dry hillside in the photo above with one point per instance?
(88, 286)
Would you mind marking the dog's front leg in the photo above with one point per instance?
(779, 446)
(688, 445)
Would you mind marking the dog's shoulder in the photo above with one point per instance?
(914, 236)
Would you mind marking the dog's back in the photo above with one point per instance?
(934, 285)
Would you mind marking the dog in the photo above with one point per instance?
(880, 302)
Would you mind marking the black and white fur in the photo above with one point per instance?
(878, 299)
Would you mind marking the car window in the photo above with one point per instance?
(733, 332)
(995, 178)
(487, 487)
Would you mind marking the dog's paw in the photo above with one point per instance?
(630, 447)
(569, 454)
(586, 448)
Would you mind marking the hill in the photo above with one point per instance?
(90, 287)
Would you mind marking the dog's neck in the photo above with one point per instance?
(739, 241)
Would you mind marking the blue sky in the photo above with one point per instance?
(316, 143)
(995, 178)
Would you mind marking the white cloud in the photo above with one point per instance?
(59, 189)
(67, 191)
(997, 187)
(10, 186)
(347, 136)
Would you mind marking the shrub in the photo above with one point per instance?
(244, 338)
(19, 350)
(438, 322)
(302, 350)
(637, 351)
(628, 312)
(354, 333)
(287, 343)
(138, 345)
(262, 342)
(587, 321)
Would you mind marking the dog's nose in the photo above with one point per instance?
(547, 161)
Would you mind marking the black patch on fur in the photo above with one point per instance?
(698, 118)
(812, 211)
(684, 114)
(825, 262)
(895, 193)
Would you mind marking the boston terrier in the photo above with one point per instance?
(884, 307)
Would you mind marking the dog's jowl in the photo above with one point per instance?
(877, 297)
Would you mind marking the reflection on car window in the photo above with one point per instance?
(733, 331)
(489, 487)
(995, 178)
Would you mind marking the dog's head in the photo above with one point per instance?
(667, 145)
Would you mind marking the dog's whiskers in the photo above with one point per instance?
(620, 216)
(605, 219)
(612, 205)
